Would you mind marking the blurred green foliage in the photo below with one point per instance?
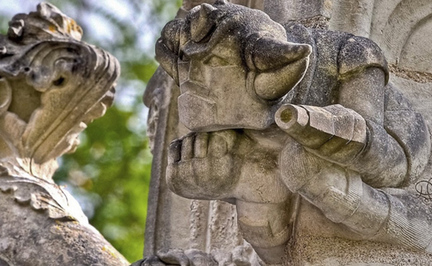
(109, 173)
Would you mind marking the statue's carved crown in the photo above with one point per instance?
(48, 21)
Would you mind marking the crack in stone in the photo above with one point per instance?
(417, 76)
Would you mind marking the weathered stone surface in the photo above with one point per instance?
(51, 86)
(175, 223)
(332, 166)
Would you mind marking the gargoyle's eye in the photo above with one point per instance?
(216, 61)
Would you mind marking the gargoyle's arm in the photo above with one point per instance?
(351, 134)
(363, 76)
(382, 162)
(373, 131)
(364, 93)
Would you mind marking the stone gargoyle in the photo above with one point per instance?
(282, 115)
(51, 86)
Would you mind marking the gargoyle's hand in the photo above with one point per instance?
(332, 132)
(299, 167)
(201, 165)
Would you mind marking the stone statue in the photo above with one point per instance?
(51, 86)
(294, 124)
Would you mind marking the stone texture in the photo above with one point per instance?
(334, 180)
(51, 86)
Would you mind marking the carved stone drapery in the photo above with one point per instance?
(51, 86)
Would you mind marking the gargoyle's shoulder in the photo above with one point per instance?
(358, 53)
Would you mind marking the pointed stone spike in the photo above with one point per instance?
(270, 54)
(280, 65)
(207, 8)
(167, 59)
(200, 26)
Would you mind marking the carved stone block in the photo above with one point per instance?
(302, 131)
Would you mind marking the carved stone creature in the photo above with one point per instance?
(51, 86)
(286, 116)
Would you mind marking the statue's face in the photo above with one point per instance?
(51, 87)
(215, 93)
(232, 66)
(74, 82)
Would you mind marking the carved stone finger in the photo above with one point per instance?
(217, 146)
(181, 179)
(201, 144)
(230, 137)
(174, 151)
(221, 142)
(187, 147)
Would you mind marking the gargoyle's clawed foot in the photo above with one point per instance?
(201, 165)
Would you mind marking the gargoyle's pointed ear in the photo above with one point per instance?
(201, 25)
(167, 47)
(167, 59)
(269, 53)
(279, 65)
